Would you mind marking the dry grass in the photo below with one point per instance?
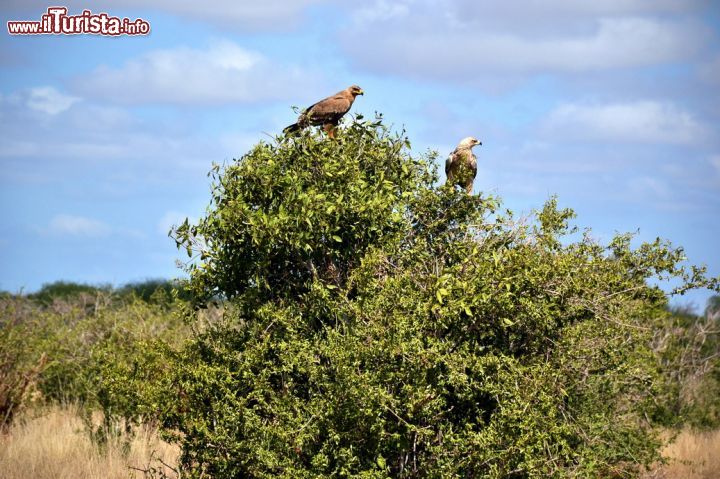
(693, 455)
(53, 444)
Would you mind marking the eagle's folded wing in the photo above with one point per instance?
(449, 162)
(328, 110)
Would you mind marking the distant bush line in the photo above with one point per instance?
(144, 290)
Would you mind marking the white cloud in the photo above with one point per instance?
(465, 42)
(616, 43)
(85, 132)
(639, 121)
(381, 10)
(224, 72)
(69, 225)
(48, 100)
(110, 151)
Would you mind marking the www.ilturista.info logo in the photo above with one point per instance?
(57, 22)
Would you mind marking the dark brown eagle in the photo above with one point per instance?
(327, 112)
(461, 165)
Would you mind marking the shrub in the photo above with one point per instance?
(100, 351)
(377, 325)
(20, 365)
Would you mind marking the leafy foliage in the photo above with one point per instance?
(299, 211)
(102, 351)
(376, 325)
(19, 365)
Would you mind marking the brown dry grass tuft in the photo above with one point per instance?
(693, 455)
(53, 444)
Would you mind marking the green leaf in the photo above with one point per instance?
(440, 293)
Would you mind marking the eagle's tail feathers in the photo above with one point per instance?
(295, 127)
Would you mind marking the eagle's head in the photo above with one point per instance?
(469, 142)
(355, 90)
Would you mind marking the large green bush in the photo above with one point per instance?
(377, 325)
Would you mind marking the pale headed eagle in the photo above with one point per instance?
(461, 165)
(327, 112)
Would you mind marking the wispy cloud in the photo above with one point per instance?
(638, 121)
(70, 225)
(49, 100)
(112, 139)
(223, 72)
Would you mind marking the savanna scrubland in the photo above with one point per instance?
(346, 316)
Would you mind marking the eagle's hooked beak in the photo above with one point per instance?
(361, 92)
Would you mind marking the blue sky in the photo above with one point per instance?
(106, 142)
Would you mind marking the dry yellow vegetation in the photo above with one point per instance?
(692, 455)
(53, 444)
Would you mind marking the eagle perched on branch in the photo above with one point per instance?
(461, 165)
(327, 112)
